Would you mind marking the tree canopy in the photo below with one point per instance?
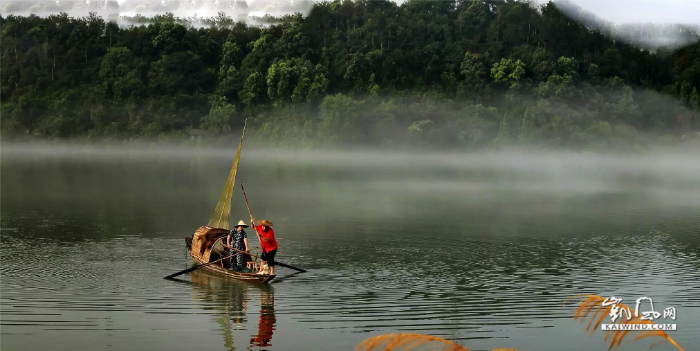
(455, 74)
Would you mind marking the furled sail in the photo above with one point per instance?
(222, 213)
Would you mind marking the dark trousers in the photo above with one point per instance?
(238, 258)
(269, 257)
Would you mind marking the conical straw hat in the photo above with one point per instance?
(242, 224)
(265, 222)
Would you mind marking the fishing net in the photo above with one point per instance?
(222, 213)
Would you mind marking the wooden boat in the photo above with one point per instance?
(207, 243)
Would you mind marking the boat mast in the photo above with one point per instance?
(222, 212)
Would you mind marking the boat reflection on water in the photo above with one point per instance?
(267, 319)
(233, 299)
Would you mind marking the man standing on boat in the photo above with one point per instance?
(238, 239)
(268, 246)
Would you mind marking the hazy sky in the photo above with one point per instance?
(617, 11)
(635, 11)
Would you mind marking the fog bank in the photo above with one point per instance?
(677, 164)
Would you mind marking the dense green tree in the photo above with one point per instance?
(685, 91)
(508, 73)
(475, 74)
(338, 118)
(695, 99)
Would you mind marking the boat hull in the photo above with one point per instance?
(220, 271)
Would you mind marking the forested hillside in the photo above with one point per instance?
(450, 74)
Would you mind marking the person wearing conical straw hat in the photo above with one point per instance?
(268, 245)
(238, 239)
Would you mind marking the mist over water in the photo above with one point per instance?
(481, 248)
(667, 166)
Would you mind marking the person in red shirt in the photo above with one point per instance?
(268, 246)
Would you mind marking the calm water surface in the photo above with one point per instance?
(479, 249)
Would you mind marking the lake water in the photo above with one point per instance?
(481, 249)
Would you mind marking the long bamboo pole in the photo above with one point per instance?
(196, 267)
(252, 222)
(277, 262)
